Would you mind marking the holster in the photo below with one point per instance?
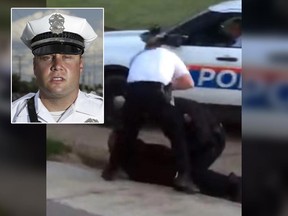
(168, 93)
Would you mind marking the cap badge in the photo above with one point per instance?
(56, 22)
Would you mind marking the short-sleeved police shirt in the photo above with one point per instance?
(156, 65)
(88, 108)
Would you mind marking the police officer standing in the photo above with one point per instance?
(151, 71)
(57, 42)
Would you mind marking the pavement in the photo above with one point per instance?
(75, 189)
(54, 208)
(79, 190)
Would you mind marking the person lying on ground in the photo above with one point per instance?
(155, 163)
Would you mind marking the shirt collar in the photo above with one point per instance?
(78, 106)
(41, 110)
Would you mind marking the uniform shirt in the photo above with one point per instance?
(88, 108)
(156, 65)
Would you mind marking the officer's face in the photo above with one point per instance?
(58, 74)
(234, 30)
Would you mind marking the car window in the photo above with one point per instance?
(207, 30)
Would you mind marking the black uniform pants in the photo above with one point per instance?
(209, 181)
(204, 155)
(148, 99)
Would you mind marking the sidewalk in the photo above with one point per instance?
(80, 190)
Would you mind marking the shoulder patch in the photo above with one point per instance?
(93, 95)
(23, 98)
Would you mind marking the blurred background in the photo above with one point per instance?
(140, 14)
(22, 147)
(264, 109)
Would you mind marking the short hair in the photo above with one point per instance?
(237, 21)
(232, 21)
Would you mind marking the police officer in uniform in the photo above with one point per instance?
(151, 71)
(57, 42)
(233, 29)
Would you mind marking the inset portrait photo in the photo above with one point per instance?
(57, 65)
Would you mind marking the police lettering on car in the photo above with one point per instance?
(57, 42)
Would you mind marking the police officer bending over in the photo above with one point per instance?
(58, 42)
(150, 71)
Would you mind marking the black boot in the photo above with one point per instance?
(182, 182)
(235, 191)
(109, 173)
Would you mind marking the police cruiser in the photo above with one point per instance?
(204, 47)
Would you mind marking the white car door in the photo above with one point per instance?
(214, 64)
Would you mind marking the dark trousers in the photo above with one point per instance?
(204, 155)
(209, 181)
(148, 99)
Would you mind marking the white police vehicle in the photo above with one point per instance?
(213, 63)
